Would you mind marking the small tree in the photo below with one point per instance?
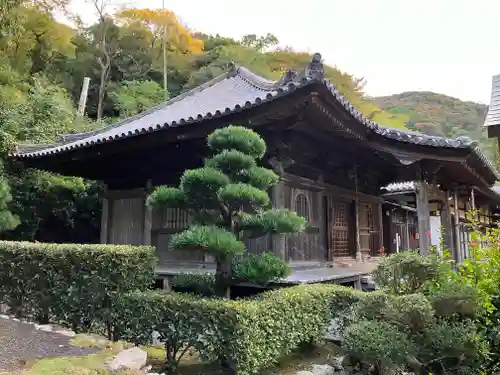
(427, 320)
(7, 219)
(227, 199)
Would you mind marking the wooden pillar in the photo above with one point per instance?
(320, 209)
(148, 215)
(447, 225)
(105, 216)
(477, 217)
(423, 213)
(166, 284)
(473, 199)
(278, 198)
(456, 224)
(380, 225)
(357, 240)
(407, 230)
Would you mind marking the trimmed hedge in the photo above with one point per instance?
(245, 335)
(69, 283)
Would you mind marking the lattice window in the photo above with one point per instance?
(302, 206)
(370, 218)
(339, 229)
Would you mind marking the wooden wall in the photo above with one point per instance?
(126, 220)
(329, 213)
(306, 246)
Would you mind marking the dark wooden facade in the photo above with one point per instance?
(332, 160)
(330, 235)
(450, 224)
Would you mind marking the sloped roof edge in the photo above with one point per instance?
(493, 115)
(248, 90)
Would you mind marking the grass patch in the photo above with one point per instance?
(94, 364)
(88, 341)
(88, 365)
(300, 360)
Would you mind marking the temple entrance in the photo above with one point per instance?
(338, 228)
(369, 229)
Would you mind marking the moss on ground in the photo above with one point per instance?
(95, 364)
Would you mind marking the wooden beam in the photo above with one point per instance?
(278, 198)
(447, 224)
(124, 194)
(423, 214)
(380, 213)
(456, 224)
(319, 185)
(104, 218)
(148, 215)
(323, 220)
(357, 239)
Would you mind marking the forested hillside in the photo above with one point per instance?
(441, 115)
(42, 67)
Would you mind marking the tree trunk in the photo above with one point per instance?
(222, 278)
(102, 92)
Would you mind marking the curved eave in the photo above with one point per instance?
(478, 159)
(277, 93)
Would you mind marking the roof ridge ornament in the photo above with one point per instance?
(232, 68)
(314, 70)
(289, 76)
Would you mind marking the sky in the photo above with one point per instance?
(444, 46)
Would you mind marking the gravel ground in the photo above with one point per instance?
(21, 343)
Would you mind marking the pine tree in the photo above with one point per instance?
(227, 199)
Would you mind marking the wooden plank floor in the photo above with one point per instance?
(345, 271)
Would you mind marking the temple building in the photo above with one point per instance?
(492, 121)
(332, 160)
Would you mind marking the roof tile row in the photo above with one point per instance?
(232, 92)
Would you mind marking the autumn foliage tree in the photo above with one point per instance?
(228, 201)
(178, 37)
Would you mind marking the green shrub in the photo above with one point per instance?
(183, 321)
(228, 200)
(277, 323)
(246, 335)
(428, 305)
(373, 307)
(214, 240)
(260, 269)
(377, 342)
(408, 272)
(451, 348)
(412, 312)
(200, 284)
(71, 283)
(344, 298)
(457, 299)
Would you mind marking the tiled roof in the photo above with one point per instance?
(239, 88)
(397, 187)
(493, 116)
(409, 186)
(234, 91)
(423, 139)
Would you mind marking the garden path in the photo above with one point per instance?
(21, 343)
